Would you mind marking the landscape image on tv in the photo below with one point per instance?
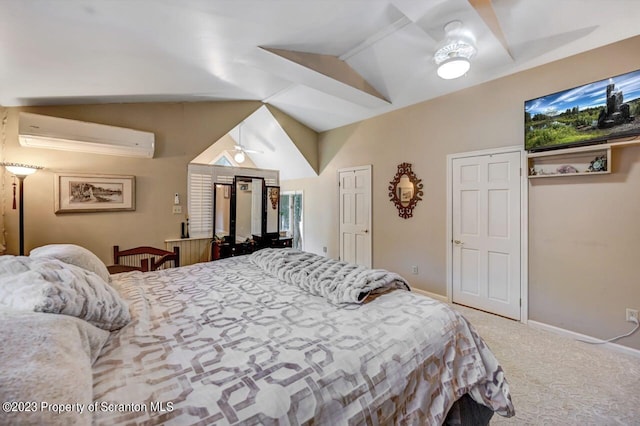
(589, 114)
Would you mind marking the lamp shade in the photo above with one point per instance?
(239, 157)
(21, 169)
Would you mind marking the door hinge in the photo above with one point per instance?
(520, 171)
(520, 302)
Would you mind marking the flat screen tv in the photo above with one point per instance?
(594, 113)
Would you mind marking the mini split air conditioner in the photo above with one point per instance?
(42, 131)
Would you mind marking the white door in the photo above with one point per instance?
(486, 233)
(355, 215)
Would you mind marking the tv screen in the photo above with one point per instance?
(585, 115)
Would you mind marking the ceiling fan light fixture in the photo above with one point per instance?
(239, 157)
(454, 55)
(453, 68)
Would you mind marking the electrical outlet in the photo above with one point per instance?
(324, 249)
(177, 209)
(632, 315)
(414, 270)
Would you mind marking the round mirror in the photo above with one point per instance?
(405, 190)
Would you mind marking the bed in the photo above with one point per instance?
(276, 337)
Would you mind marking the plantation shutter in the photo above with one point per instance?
(200, 201)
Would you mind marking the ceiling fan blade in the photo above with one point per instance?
(252, 151)
(248, 151)
(488, 15)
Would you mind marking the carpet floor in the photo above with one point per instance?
(555, 380)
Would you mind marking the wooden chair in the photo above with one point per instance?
(143, 259)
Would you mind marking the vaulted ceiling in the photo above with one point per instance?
(326, 63)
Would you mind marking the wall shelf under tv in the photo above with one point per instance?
(579, 161)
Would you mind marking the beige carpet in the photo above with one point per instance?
(555, 380)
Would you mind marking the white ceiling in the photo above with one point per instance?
(101, 51)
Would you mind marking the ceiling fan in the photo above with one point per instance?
(457, 48)
(240, 151)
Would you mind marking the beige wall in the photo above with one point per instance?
(584, 232)
(183, 130)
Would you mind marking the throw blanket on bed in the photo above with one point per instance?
(339, 282)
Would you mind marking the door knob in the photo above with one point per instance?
(457, 242)
(366, 231)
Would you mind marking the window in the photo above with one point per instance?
(291, 224)
(223, 161)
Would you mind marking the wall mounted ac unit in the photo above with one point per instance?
(42, 131)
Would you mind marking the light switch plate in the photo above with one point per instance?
(177, 209)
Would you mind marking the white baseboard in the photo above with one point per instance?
(429, 294)
(577, 336)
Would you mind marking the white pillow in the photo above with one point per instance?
(52, 286)
(74, 255)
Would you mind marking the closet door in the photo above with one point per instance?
(355, 215)
(486, 233)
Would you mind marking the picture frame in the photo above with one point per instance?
(90, 193)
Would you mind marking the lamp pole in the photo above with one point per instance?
(21, 212)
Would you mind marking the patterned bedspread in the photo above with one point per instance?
(226, 343)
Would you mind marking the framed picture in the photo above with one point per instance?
(84, 193)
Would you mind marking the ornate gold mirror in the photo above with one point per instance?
(405, 190)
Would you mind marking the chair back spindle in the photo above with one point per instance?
(146, 258)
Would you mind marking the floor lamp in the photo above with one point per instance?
(20, 171)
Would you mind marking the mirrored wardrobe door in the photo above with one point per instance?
(222, 211)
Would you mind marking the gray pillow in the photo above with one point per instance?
(74, 255)
(52, 286)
